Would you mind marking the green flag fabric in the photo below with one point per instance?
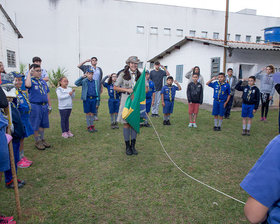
(131, 111)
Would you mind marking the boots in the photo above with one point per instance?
(128, 148)
(134, 151)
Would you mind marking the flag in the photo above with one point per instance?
(131, 111)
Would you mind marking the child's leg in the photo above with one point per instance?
(36, 136)
(126, 132)
(67, 120)
(88, 119)
(244, 123)
(266, 107)
(220, 121)
(216, 120)
(63, 114)
(116, 117)
(42, 133)
(91, 117)
(8, 173)
(112, 118)
(194, 118)
(168, 116)
(249, 123)
(165, 116)
(190, 118)
(21, 150)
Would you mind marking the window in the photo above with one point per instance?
(215, 35)
(154, 30)
(237, 37)
(179, 32)
(192, 33)
(248, 38)
(152, 65)
(140, 29)
(215, 66)
(204, 34)
(179, 73)
(228, 36)
(258, 39)
(11, 59)
(167, 31)
(140, 64)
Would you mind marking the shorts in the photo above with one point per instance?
(247, 110)
(4, 151)
(39, 116)
(193, 108)
(218, 108)
(168, 108)
(113, 105)
(148, 105)
(28, 130)
(90, 105)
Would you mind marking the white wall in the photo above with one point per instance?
(75, 30)
(190, 55)
(8, 41)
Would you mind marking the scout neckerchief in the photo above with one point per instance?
(170, 93)
(42, 91)
(229, 80)
(249, 93)
(220, 89)
(24, 96)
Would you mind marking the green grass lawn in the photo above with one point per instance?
(89, 179)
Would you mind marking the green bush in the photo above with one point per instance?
(22, 68)
(54, 76)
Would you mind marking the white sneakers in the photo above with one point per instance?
(192, 125)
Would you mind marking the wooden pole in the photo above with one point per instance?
(225, 37)
(12, 160)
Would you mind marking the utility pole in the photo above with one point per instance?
(225, 37)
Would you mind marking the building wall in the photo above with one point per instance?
(65, 33)
(8, 41)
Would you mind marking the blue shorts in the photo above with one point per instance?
(4, 151)
(168, 108)
(113, 105)
(148, 105)
(28, 130)
(218, 108)
(247, 110)
(90, 105)
(39, 116)
(8, 173)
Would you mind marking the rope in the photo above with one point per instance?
(206, 185)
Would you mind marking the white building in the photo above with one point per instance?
(64, 32)
(245, 58)
(9, 44)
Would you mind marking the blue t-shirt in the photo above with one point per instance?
(91, 88)
(38, 92)
(111, 92)
(169, 92)
(151, 90)
(263, 181)
(221, 91)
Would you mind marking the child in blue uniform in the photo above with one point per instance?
(17, 134)
(263, 185)
(89, 96)
(221, 97)
(24, 108)
(250, 104)
(150, 96)
(168, 93)
(114, 99)
(39, 99)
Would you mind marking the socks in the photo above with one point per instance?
(112, 118)
(168, 117)
(248, 126)
(88, 120)
(21, 154)
(244, 126)
(220, 123)
(216, 122)
(91, 120)
(116, 117)
(126, 134)
(37, 138)
(41, 133)
(133, 134)
(165, 117)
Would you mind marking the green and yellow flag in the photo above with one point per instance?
(131, 111)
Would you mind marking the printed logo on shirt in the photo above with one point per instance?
(36, 87)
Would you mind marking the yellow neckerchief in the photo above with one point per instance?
(24, 96)
(170, 92)
(42, 91)
(249, 93)
(220, 89)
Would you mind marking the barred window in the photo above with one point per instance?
(11, 58)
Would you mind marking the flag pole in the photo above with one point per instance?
(225, 37)
(12, 160)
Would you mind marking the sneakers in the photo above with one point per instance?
(262, 119)
(164, 122)
(168, 122)
(113, 125)
(9, 219)
(11, 185)
(39, 145)
(244, 132)
(26, 160)
(92, 129)
(46, 144)
(155, 115)
(194, 125)
(190, 125)
(147, 125)
(248, 133)
(70, 135)
(96, 118)
(64, 135)
(23, 164)
(219, 129)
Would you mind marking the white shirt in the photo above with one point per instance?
(64, 99)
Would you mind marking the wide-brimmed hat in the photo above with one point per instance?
(132, 59)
